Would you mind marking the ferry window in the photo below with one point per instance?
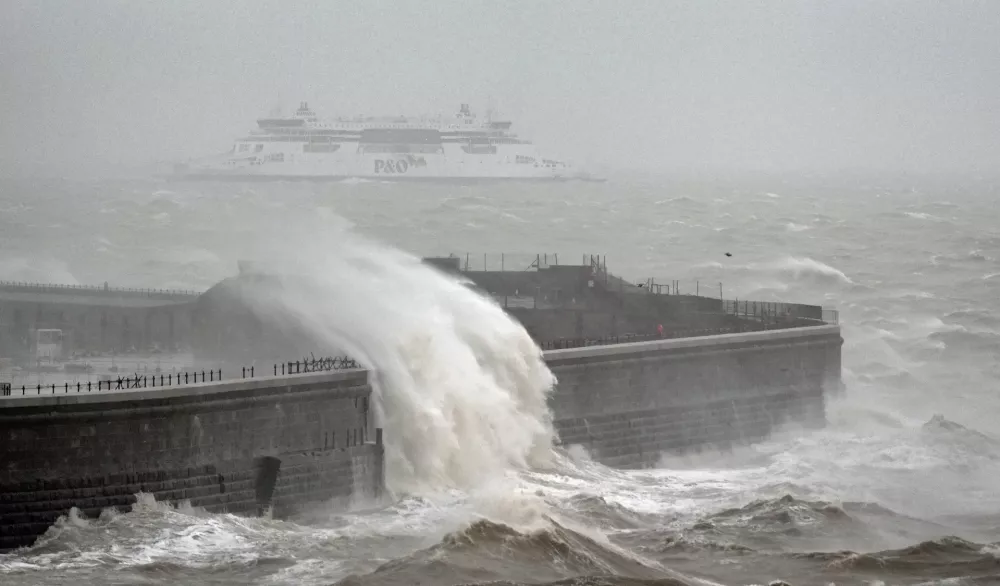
(244, 147)
(49, 336)
(259, 148)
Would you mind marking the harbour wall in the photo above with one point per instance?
(239, 446)
(629, 404)
(244, 445)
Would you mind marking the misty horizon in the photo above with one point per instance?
(658, 87)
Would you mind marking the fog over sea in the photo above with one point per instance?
(901, 487)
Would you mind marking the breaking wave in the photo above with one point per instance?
(490, 552)
(460, 384)
(943, 558)
(807, 268)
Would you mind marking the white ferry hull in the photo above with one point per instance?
(394, 167)
(305, 148)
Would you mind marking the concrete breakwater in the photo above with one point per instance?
(240, 446)
(284, 441)
(629, 404)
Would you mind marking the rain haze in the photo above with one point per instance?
(705, 294)
(92, 87)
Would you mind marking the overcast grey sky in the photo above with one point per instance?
(697, 85)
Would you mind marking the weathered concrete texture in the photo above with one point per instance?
(92, 318)
(629, 404)
(238, 446)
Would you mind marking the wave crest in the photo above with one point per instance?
(487, 552)
(461, 386)
(808, 268)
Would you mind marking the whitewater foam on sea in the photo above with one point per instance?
(787, 507)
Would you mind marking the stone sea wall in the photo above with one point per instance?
(280, 442)
(239, 446)
(629, 404)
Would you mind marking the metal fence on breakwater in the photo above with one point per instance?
(143, 381)
(564, 343)
(94, 289)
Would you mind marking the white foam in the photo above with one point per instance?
(804, 268)
(36, 270)
(922, 216)
(461, 386)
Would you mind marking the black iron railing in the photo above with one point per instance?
(146, 381)
(314, 365)
(564, 343)
(55, 288)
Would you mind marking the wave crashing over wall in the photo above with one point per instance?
(461, 387)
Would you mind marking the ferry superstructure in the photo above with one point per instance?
(303, 146)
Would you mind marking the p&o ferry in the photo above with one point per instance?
(459, 148)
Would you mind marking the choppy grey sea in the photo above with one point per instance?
(886, 493)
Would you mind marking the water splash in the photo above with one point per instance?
(461, 386)
(808, 269)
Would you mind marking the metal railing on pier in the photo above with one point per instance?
(94, 289)
(564, 343)
(150, 381)
(515, 261)
(774, 311)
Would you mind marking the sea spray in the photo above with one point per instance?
(461, 387)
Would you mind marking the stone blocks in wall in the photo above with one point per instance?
(630, 403)
(198, 443)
